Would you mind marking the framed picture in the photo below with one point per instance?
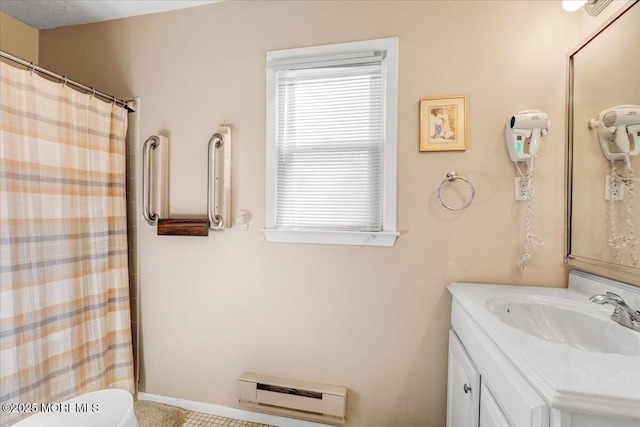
(443, 123)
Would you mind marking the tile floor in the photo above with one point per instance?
(198, 419)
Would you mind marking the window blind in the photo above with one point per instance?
(330, 147)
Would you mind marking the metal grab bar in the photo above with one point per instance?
(216, 221)
(151, 143)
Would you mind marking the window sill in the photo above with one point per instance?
(357, 238)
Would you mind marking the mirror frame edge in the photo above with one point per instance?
(601, 268)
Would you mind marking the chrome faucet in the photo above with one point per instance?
(623, 314)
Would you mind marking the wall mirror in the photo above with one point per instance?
(603, 236)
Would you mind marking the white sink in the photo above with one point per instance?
(567, 349)
(584, 326)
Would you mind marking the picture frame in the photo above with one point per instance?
(443, 123)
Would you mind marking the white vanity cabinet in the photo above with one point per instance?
(500, 376)
(486, 373)
(470, 403)
(490, 413)
(463, 391)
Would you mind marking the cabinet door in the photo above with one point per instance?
(463, 389)
(490, 413)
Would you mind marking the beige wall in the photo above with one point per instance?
(18, 39)
(373, 319)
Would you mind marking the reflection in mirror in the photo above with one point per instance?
(604, 133)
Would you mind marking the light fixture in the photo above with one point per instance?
(593, 7)
(572, 5)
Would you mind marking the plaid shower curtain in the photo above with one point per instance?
(64, 296)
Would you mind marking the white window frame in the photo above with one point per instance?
(335, 52)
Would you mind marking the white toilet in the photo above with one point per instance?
(104, 408)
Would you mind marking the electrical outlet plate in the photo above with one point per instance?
(613, 191)
(522, 188)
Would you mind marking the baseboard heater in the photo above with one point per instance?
(292, 398)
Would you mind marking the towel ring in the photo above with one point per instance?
(451, 177)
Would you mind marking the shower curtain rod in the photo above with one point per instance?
(31, 66)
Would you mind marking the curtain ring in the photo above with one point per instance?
(93, 93)
(33, 68)
(451, 177)
(64, 83)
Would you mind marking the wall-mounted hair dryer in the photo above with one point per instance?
(619, 131)
(523, 133)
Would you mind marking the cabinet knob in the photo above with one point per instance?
(466, 388)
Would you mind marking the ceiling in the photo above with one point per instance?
(46, 14)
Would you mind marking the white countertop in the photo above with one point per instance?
(565, 377)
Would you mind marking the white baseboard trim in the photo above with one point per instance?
(224, 411)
